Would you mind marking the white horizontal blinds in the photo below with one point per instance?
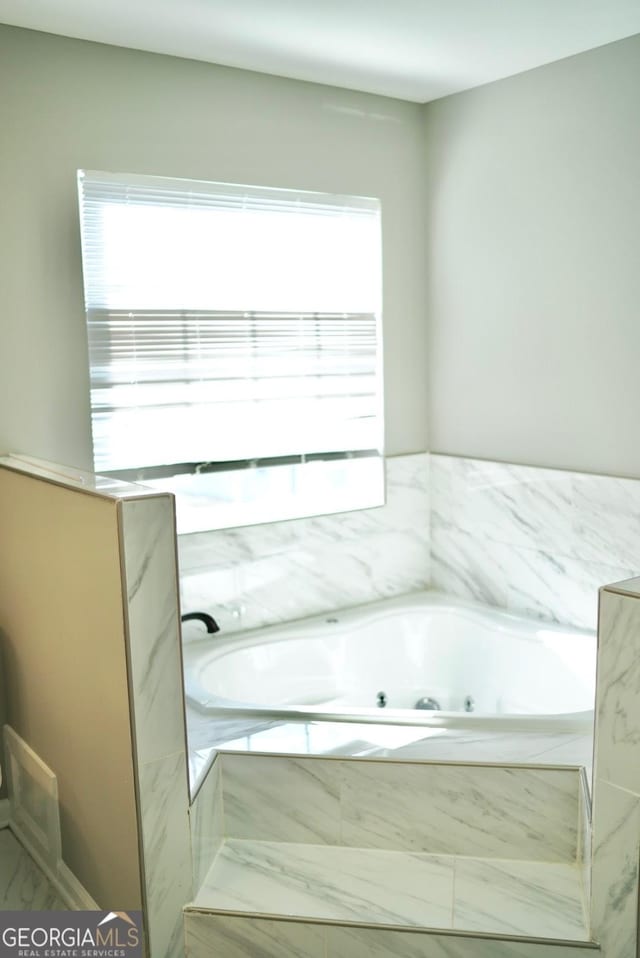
(228, 322)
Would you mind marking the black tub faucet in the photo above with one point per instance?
(209, 621)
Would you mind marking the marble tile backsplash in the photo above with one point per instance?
(539, 542)
(258, 575)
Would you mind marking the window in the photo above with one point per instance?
(233, 326)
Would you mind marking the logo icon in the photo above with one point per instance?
(74, 934)
(117, 914)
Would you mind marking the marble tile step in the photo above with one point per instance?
(209, 935)
(397, 890)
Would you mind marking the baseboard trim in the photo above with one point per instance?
(70, 890)
(62, 879)
(39, 832)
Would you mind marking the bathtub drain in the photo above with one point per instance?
(382, 699)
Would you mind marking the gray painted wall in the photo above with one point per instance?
(534, 246)
(67, 104)
(533, 212)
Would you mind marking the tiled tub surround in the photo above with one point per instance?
(466, 849)
(258, 575)
(535, 541)
(538, 542)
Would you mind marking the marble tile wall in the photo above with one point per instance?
(585, 837)
(334, 825)
(147, 543)
(615, 880)
(258, 575)
(206, 821)
(539, 542)
(500, 812)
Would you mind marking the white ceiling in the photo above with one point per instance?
(412, 49)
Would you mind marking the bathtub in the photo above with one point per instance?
(465, 664)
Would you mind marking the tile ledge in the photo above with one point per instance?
(211, 899)
(192, 909)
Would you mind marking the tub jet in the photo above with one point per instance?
(428, 703)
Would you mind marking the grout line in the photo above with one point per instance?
(416, 762)
(453, 891)
(341, 787)
(220, 789)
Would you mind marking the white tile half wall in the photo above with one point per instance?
(258, 575)
(146, 531)
(539, 542)
(615, 880)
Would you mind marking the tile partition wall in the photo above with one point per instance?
(149, 584)
(615, 849)
(148, 556)
(539, 542)
(615, 881)
(510, 812)
(206, 823)
(344, 840)
(257, 575)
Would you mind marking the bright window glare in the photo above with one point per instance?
(232, 324)
(172, 258)
(324, 738)
(577, 652)
(219, 500)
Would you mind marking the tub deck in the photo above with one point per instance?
(207, 736)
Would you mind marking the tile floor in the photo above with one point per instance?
(23, 887)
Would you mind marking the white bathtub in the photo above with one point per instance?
(480, 665)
